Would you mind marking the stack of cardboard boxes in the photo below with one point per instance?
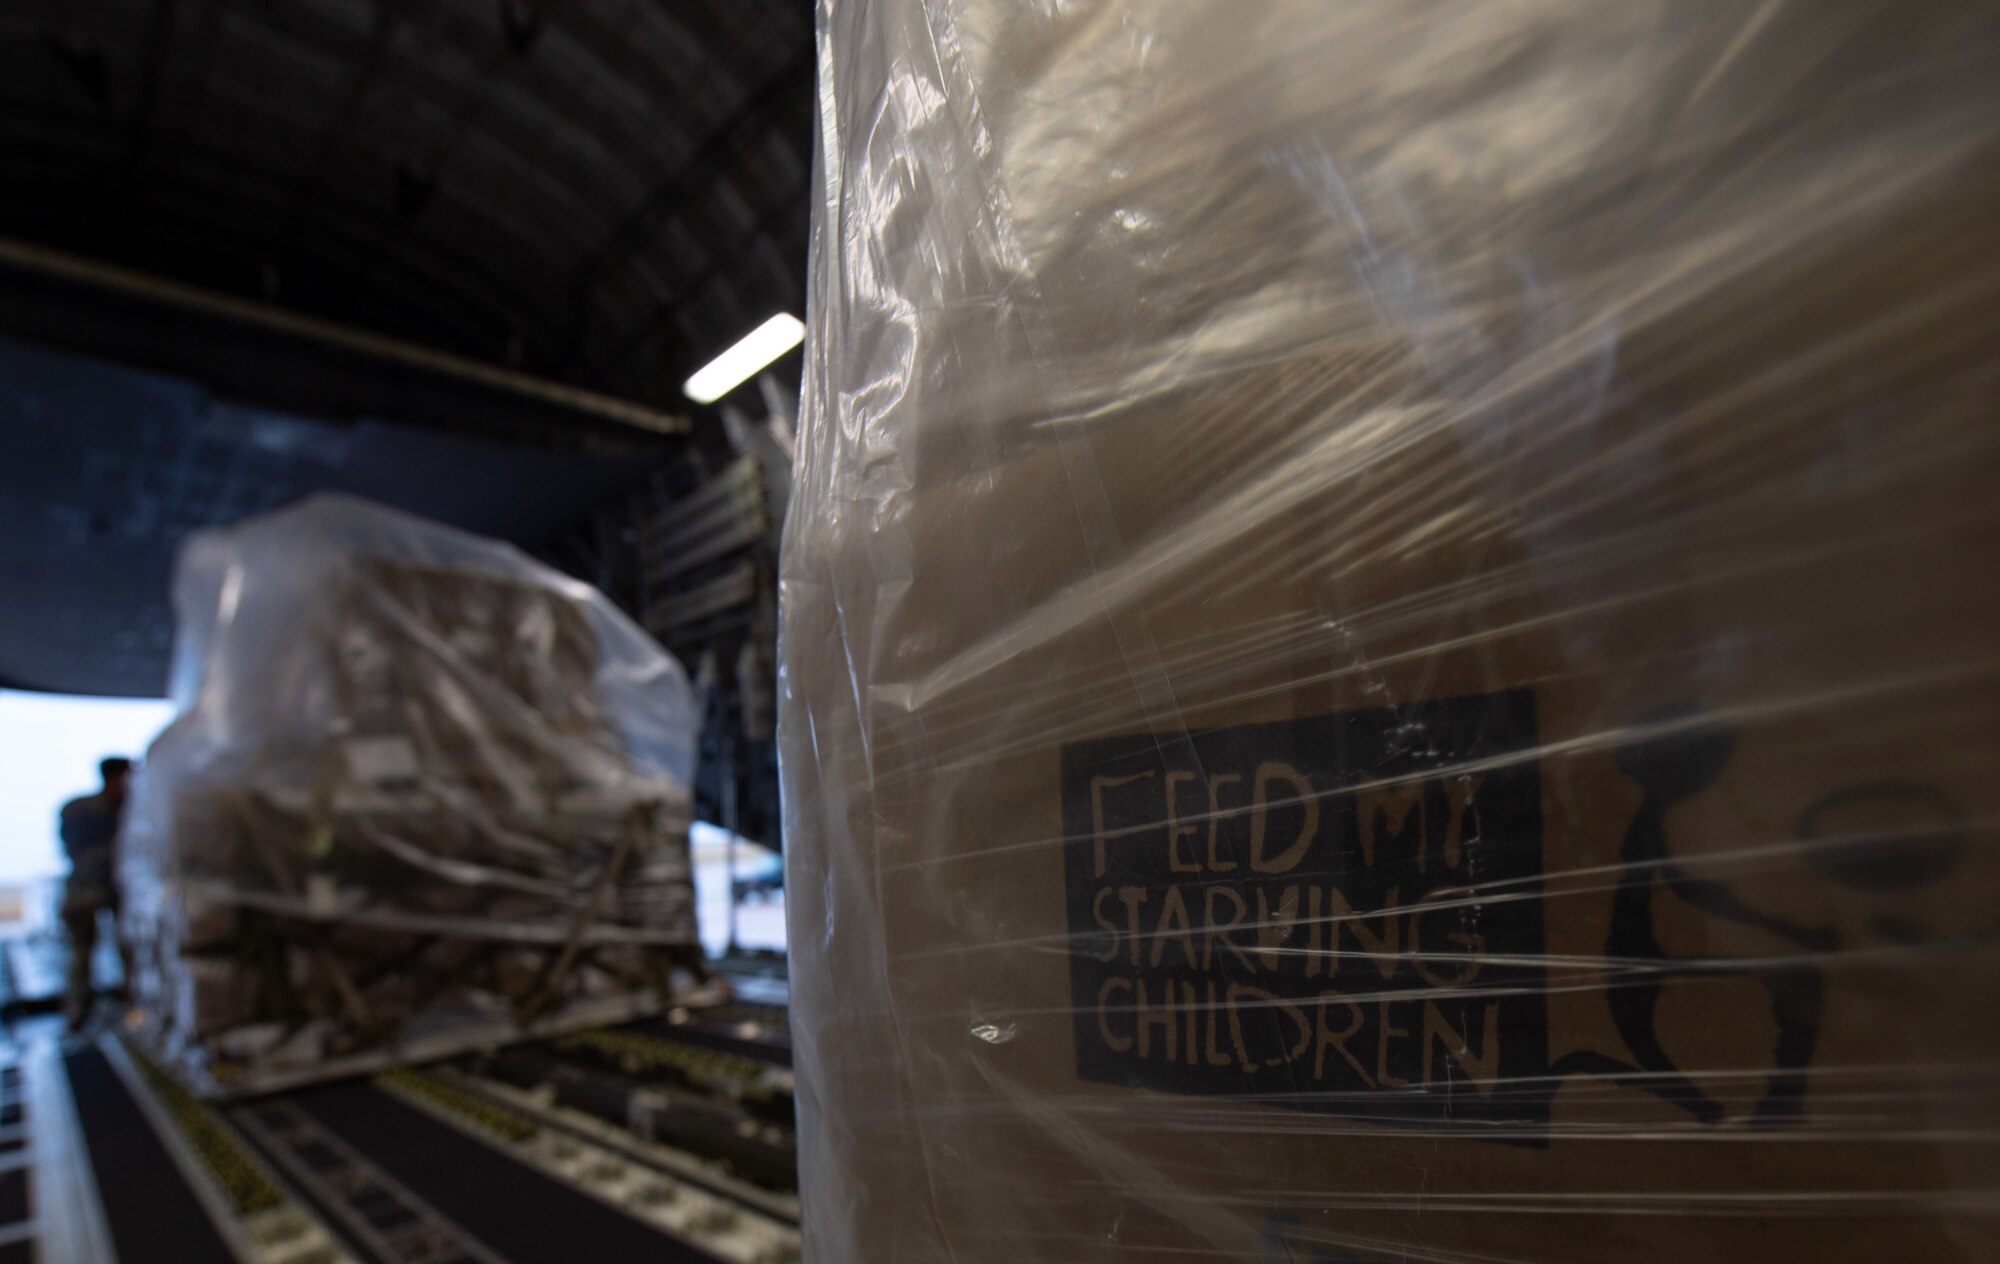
(462, 848)
(1389, 643)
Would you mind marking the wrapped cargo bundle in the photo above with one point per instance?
(420, 793)
(1388, 634)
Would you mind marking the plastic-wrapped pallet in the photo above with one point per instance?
(1388, 633)
(420, 793)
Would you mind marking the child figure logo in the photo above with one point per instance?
(1680, 754)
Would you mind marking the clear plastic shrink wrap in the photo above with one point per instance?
(421, 792)
(1389, 644)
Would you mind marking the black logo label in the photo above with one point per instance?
(1338, 914)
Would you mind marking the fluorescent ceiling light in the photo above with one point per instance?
(752, 352)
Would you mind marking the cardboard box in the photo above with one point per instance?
(1460, 729)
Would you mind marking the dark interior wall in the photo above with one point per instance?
(600, 191)
(104, 469)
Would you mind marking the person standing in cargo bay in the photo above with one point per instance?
(89, 829)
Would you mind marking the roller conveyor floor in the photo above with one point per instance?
(108, 1161)
(429, 1181)
(147, 1205)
